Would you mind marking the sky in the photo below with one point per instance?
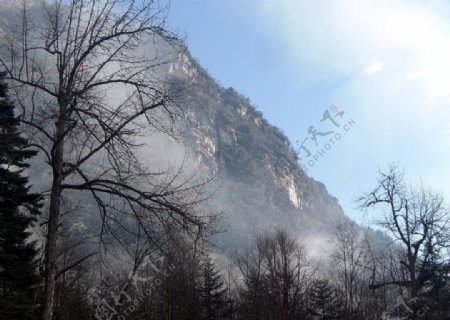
(384, 64)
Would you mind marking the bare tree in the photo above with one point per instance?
(418, 221)
(250, 265)
(379, 263)
(276, 274)
(347, 262)
(88, 91)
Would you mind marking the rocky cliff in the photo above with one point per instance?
(261, 184)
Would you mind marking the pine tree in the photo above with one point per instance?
(18, 209)
(325, 302)
(213, 292)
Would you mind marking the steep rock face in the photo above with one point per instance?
(261, 184)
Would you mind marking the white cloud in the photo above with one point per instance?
(403, 112)
(338, 39)
(341, 36)
(374, 67)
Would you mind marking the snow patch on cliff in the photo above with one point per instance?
(288, 182)
(292, 191)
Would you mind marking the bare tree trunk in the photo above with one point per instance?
(53, 219)
(50, 252)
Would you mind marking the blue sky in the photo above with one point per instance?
(384, 63)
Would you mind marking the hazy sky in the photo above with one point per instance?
(386, 64)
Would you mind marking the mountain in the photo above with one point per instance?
(262, 185)
(259, 182)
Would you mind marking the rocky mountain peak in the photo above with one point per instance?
(262, 185)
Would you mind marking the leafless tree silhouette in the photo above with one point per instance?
(88, 91)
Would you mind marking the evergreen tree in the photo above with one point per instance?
(325, 302)
(18, 209)
(253, 296)
(213, 292)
